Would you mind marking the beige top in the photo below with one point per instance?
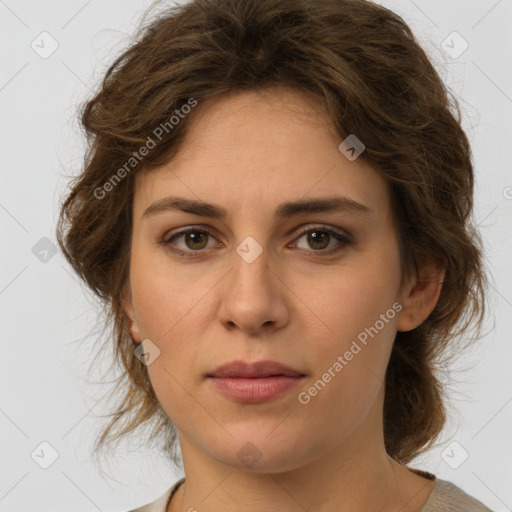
(445, 497)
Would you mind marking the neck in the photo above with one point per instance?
(355, 475)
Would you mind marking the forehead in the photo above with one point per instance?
(258, 148)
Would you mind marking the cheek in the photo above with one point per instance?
(356, 297)
(359, 308)
(161, 295)
(349, 365)
(171, 309)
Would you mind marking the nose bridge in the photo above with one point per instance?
(252, 296)
(251, 273)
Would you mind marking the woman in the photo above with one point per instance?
(276, 210)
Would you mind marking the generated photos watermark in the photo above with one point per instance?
(144, 150)
(304, 397)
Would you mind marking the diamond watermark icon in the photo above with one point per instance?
(249, 249)
(146, 352)
(351, 147)
(455, 455)
(44, 455)
(249, 455)
(454, 45)
(44, 45)
(44, 249)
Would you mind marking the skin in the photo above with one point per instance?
(248, 153)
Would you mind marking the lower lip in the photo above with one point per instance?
(254, 391)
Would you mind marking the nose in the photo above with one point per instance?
(254, 297)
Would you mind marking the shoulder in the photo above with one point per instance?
(447, 497)
(160, 505)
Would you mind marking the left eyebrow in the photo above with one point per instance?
(320, 205)
(284, 210)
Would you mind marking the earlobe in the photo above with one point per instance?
(127, 304)
(420, 296)
(134, 332)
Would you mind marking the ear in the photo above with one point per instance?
(127, 303)
(420, 295)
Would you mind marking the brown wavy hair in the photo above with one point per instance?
(364, 63)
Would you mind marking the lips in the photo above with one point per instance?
(259, 369)
(254, 383)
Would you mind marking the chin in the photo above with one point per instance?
(257, 452)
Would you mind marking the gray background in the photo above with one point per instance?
(46, 316)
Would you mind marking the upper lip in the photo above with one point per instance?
(242, 369)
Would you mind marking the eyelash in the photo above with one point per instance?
(340, 237)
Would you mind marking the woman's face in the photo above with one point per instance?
(267, 282)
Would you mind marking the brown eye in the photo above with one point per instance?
(318, 239)
(194, 240)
